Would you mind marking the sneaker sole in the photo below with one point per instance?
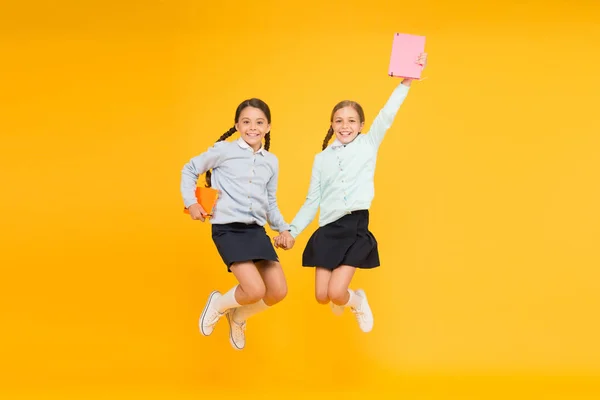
(210, 297)
(229, 320)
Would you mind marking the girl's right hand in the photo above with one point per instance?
(197, 212)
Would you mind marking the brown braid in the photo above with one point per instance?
(223, 137)
(267, 141)
(328, 137)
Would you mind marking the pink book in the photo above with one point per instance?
(405, 52)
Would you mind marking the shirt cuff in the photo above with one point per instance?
(188, 202)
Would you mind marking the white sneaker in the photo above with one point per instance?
(363, 313)
(337, 310)
(237, 335)
(210, 315)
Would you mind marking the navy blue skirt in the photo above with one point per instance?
(239, 242)
(346, 241)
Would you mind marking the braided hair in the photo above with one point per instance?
(327, 137)
(223, 137)
(338, 106)
(256, 103)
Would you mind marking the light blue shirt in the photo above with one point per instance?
(342, 175)
(246, 181)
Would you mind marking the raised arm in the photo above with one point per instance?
(382, 123)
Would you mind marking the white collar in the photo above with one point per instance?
(242, 143)
(336, 143)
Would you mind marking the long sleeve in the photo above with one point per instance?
(383, 121)
(309, 209)
(194, 168)
(274, 216)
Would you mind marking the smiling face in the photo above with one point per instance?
(346, 124)
(347, 121)
(253, 125)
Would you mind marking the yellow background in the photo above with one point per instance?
(486, 207)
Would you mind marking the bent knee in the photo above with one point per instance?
(322, 296)
(277, 293)
(255, 291)
(338, 295)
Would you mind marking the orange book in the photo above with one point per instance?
(207, 198)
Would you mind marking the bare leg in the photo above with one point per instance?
(339, 284)
(251, 287)
(322, 279)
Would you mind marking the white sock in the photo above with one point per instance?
(354, 300)
(227, 301)
(245, 312)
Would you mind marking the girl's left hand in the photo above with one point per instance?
(422, 60)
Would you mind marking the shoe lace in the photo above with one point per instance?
(241, 326)
(358, 312)
(213, 317)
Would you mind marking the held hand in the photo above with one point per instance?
(197, 212)
(278, 240)
(422, 61)
(284, 240)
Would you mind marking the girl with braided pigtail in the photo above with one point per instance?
(341, 186)
(245, 173)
